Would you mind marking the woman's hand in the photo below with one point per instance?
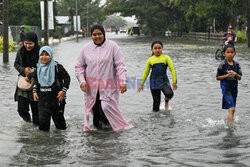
(27, 71)
(140, 89)
(61, 95)
(83, 86)
(123, 88)
(35, 96)
(174, 86)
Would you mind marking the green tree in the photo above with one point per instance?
(156, 16)
(24, 12)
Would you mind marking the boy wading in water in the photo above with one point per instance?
(229, 72)
(158, 78)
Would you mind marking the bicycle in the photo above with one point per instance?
(219, 53)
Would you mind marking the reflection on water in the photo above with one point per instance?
(193, 133)
(106, 148)
(230, 140)
(39, 148)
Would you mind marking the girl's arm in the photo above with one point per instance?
(64, 75)
(173, 72)
(65, 79)
(36, 88)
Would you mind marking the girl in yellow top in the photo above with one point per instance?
(158, 79)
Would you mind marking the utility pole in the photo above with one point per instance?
(46, 29)
(87, 18)
(248, 22)
(5, 32)
(214, 24)
(76, 22)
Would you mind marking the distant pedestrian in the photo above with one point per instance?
(229, 72)
(158, 78)
(101, 72)
(22, 35)
(50, 90)
(85, 32)
(116, 30)
(26, 60)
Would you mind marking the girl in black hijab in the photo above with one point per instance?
(26, 59)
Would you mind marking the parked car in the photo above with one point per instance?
(122, 30)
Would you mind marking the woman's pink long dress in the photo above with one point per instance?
(103, 68)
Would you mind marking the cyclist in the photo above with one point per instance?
(230, 37)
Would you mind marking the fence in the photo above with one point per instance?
(204, 36)
(171, 34)
(14, 32)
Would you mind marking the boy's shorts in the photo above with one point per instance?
(228, 101)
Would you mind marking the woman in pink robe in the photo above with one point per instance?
(101, 72)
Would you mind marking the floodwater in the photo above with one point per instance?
(193, 133)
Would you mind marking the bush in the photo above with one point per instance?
(241, 35)
(26, 28)
(11, 45)
(57, 33)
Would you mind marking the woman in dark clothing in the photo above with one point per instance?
(25, 62)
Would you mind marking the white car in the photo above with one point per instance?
(123, 31)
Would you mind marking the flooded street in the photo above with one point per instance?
(193, 133)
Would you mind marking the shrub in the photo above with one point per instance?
(11, 45)
(57, 33)
(241, 35)
(26, 28)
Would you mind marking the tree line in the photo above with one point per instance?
(157, 16)
(154, 16)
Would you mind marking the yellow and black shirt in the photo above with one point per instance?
(158, 77)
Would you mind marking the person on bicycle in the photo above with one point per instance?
(230, 37)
